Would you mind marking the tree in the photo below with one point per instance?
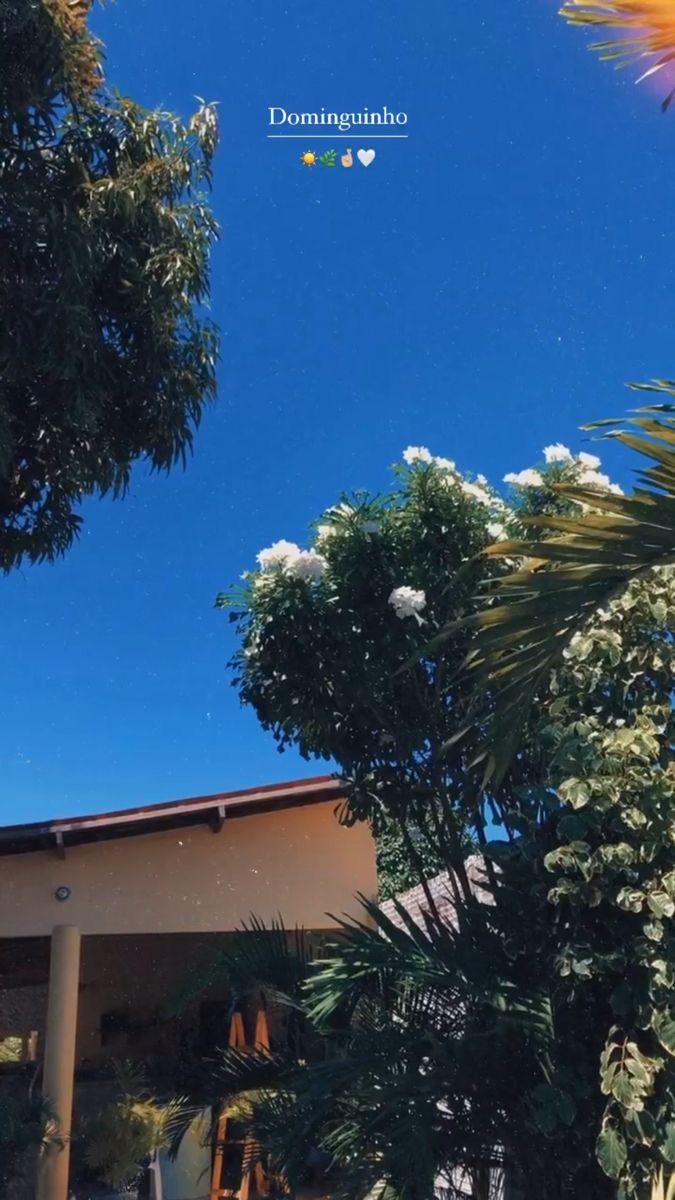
(578, 813)
(561, 581)
(326, 631)
(597, 587)
(106, 354)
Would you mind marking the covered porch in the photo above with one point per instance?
(105, 919)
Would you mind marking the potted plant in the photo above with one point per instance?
(126, 1135)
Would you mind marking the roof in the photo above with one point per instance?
(416, 903)
(131, 822)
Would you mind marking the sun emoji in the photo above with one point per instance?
(308, 159)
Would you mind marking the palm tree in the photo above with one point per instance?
(421, 1057)
(562, 578)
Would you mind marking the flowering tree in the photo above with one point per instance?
(326, 630)
(325, 633)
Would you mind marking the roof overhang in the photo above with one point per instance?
(58, 835)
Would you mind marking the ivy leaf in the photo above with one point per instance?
(663, 1025)
(575, 792)
(611, 1152)
(668, 1143)
(641, 1128)
(661, 904)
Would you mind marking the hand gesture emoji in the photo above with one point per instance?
(347, 160)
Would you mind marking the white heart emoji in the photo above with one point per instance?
(365, 157)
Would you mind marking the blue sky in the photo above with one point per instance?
(481, 288)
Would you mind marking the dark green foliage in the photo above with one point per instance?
(417, 1053)
(323, 661)
(27, 1128)
(561, 580)
(106, 357)
(397, 870)
(584, 893)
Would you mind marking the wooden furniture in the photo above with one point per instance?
(252, 1178)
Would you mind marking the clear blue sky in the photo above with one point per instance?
(482, 288)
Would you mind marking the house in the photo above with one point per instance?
(102, 916)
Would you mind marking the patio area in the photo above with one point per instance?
(105, 918)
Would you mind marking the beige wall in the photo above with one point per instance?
(138, 975)
(298, 862)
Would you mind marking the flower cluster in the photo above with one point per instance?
(408, 602)
(420, 454)
(299, 564)
(287, 559)
(477, 490)
(526, 478)
(584, 467)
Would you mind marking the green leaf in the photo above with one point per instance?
(668, 1143)
(661, 904)
(641, 1127)
(611, 1152)
(663, 1025)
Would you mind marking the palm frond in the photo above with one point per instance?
(426, 979)
(532, 613)
(259, 956)
(648, 31)
(411, 1014)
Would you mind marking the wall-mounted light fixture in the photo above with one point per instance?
(62, 893)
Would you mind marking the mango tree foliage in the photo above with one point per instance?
(106, 354)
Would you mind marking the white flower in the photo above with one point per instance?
(343, 509)
(253, 647)
(557, 453)
(589, 460)
(445, 464)
(527, 478)
(408, 602)
(497, 531)
(413, 454)
(277, 554)
(597, 479)
(476, 492)
(325, 531)
(306, 564)
(481, 480)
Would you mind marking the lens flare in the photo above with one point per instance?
(646, 35)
